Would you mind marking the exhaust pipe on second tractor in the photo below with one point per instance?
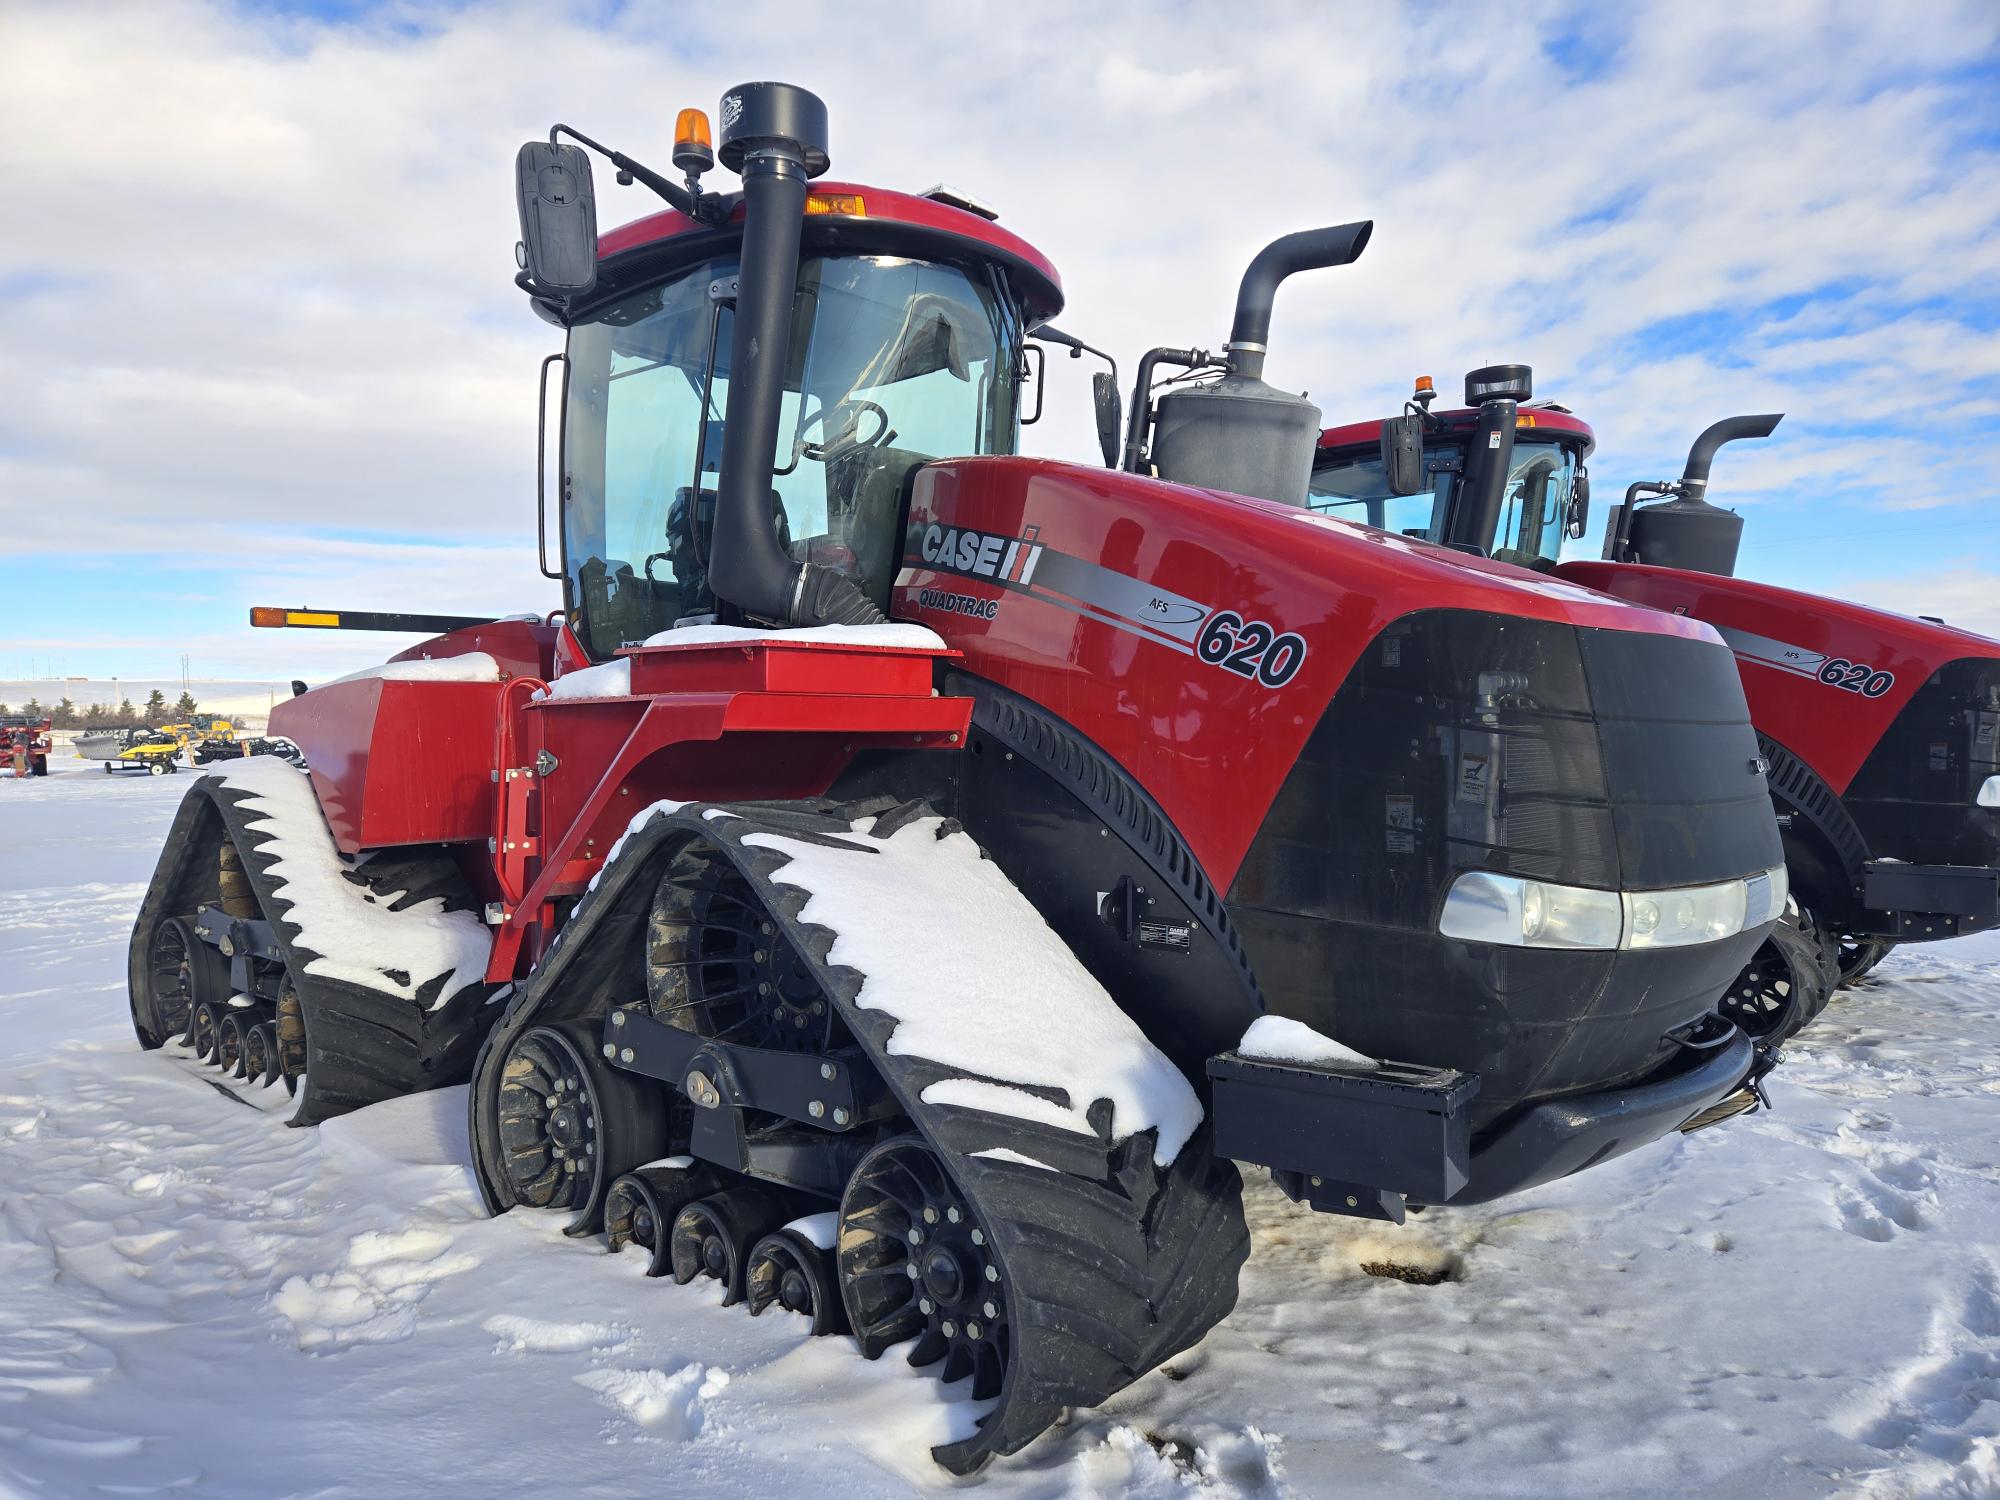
(1685, 531)
(1238, 433)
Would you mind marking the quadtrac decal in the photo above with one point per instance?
(1834, 671)
(1222, 638)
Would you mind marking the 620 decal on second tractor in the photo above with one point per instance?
(924, 977)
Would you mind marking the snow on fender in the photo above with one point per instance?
(998, 995)
(354, 934)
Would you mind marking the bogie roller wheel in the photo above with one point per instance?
(570, 1125)
(641, 1206)
(789, 1270)
(915, 1263)
(1785, 984)
(229, 1037)
(713, 1236)
(289, 1036)
(260, 1053)
(206, 1034)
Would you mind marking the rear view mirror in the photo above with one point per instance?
(1403, 454)
(1110, 415)
(1579, 506)
(558, 217)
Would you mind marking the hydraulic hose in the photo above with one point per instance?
(1308, 250)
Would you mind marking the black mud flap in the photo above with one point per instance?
(1931, 901)
(1347, 1139)
(365, 1046)
(1118, 1264)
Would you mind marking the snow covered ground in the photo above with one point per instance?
(195, 1299)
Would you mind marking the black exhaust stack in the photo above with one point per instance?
(1686, 531)
(1239, 434)
(774, 136)
(1496, 393)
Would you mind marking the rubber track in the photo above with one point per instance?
(1113, 1264)
(365, 1046)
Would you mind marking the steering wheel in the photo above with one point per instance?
(840, 422)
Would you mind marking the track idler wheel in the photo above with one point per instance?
(790, 1271)
(641, 1207)
(915, 1263)
(174, 959)
(205, 1035)
(260, 1053)
(1859, 955)
(714, 1236)
(1786, 983)
(570, 1125)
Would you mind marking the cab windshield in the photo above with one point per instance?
(1357, 489)
(893, 362)
(1534, 509)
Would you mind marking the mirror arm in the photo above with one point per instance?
(706, 209)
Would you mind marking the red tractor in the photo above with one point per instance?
(906, 877)
(1879, 729)
(24, 743)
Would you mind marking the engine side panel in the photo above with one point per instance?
(1823, 677)
(1195, 637)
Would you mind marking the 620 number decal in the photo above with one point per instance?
(1250, 648)
(1856, 677)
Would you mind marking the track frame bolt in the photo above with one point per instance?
(626, 1054)
(827, 1071)
(610, 1050)
(816, 1108)
(618, 1018)
(840, 1117)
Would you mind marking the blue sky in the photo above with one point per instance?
(262, 343)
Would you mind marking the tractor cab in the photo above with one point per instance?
(1501, 475)
(893, 361)
(900, 326)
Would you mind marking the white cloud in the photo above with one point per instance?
(285, 249)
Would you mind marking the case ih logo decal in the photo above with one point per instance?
(980, 554)
(1834, 671)
(1220, 637)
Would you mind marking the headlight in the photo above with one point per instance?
(1989, 792)
(1483, 907)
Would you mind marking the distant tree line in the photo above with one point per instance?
(66, 715)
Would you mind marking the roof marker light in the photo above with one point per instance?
(851, 204)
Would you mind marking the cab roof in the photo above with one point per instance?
(884, 216)
(1540, 419)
